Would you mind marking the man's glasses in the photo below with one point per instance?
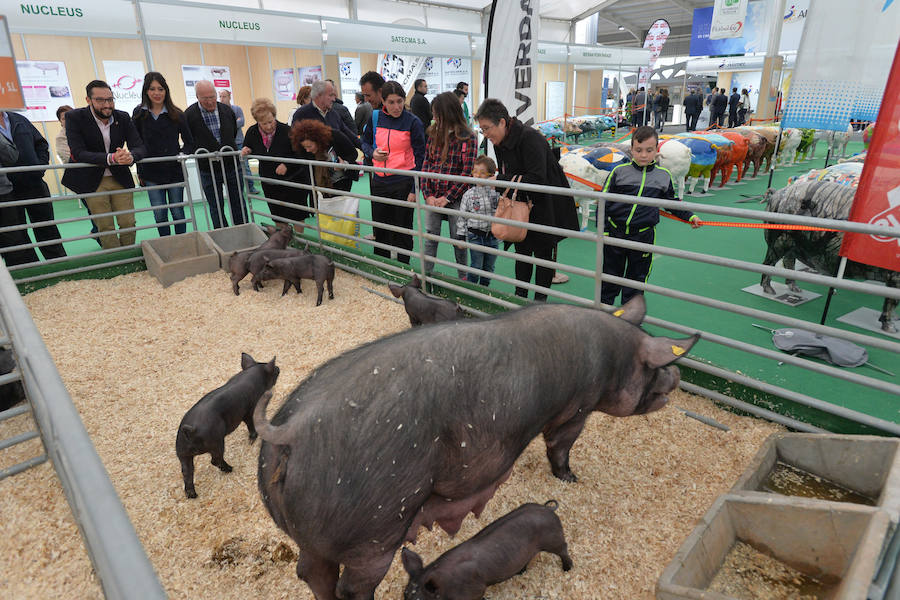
(109, 100)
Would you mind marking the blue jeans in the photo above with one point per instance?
(158, 198)
(211, 181)
(481, 260)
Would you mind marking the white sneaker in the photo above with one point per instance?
(560, 278)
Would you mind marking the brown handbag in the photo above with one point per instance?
(512, 209)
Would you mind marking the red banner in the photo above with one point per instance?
(877, 200)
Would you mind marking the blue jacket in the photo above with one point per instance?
(630, 179)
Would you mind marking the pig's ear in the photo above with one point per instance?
(246, 361)
(633, 311)
(270, 366)
(415, 282)
(396, 290)
(412, 562)
(657, 352)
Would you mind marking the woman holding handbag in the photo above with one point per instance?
(523, 151)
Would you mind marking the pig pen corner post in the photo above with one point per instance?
(598, 269)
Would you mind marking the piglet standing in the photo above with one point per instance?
(502, 549)
(204, 427)
(239, 262)
(422, 308)
(294, 269)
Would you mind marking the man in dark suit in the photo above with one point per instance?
(33, 150)
(339, 107)
(363, 112)
(693, 106)
(214, 127)
(639, 108)
(98, 134)
(419, 104)
(717, 110)
(322, 98)
(734, 103)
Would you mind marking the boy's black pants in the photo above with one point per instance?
(624, 262)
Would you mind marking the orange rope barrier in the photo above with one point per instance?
(780, 226)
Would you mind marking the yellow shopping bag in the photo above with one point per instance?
(331, 211)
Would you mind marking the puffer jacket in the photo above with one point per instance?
(402, 137)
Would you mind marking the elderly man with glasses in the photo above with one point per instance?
(214, 127)
(98, 134)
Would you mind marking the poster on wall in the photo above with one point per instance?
(350, 71)
(754, 33)
(750, 81)
(219, 76)
(125, 79)
(455, 70)
(432, 73)
(45, 87)
(604, 92)
(555, 99)
(283, 80)
(728, 19)
(10, 88)
(400, 68)
(309, 75)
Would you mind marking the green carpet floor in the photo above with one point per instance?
(713, 282)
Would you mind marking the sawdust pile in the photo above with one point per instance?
(135, 357)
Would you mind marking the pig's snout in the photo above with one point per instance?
(658, 395)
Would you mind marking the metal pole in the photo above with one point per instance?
(774, 157)
(148, 54)
(840, 275)
(314, 202)
(422, 215)
(187, 190)
(598, 270)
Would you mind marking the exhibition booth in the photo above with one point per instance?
(268, 53)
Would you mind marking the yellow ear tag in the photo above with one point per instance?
(677, 350)
(619, 312)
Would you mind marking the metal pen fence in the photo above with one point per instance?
(117, 555)
(418, 232)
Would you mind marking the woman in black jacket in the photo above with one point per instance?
(272, 138)
(523, 151)
(159, 123)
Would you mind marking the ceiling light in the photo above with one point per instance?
(621, 28)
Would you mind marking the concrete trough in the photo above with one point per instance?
(836, 542)
(868, 465)
(175, 257)
(237, 238)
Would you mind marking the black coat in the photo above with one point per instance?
(86, 144)
(331, 118)
(524, 151)
(160, 137)
(719, 103)
(734, 101)
(420, 107)
(693, 104)
(281, 147)
(33, 150)
(344, 113)
(203, 137)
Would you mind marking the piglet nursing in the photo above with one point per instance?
(502, 549)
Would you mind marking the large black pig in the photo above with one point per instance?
(423, 427)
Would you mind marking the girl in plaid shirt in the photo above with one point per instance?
(450, 149)
(480, 200)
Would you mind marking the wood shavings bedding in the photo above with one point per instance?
(135, 357)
